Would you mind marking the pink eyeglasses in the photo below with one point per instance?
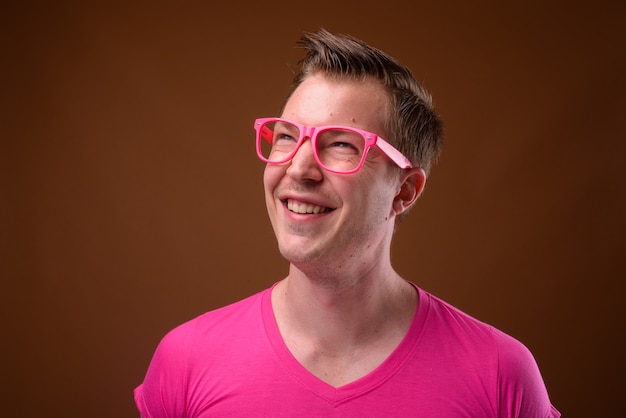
(338, 149)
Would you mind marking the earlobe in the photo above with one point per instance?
(412, 183)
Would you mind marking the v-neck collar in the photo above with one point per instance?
(335, 395)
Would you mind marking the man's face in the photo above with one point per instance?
(327, 219)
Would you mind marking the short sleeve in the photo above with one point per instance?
(521, 389)
(162, 393)
(139, 402)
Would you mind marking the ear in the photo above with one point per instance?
(411, 185)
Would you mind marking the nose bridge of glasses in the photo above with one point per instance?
(307, 154)
(307, 132)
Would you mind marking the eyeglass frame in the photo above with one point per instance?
(311, 132)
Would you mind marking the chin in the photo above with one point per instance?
(299, 253)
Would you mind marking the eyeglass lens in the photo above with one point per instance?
(337, 149)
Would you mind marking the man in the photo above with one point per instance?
(343, 334)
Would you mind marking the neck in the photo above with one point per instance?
(341, 333)
(344, 313)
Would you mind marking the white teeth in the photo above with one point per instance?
(305, 208)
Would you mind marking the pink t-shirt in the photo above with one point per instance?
(233, 362)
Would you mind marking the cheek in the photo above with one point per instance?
(378, 200)
(271, 177)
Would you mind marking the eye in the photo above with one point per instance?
(340, 144)
(285, 133)
(341, 141)
(278, 136)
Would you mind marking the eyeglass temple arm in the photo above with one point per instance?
(267, 134)
(395, 155)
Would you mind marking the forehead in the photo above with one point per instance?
(321, 100)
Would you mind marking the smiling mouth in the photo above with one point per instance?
(306, 208)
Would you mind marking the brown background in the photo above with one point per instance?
(132, 199)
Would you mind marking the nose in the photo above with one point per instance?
(303, 165)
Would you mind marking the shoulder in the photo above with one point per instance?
(468, 331)
(445, 318)
(208, 337)
(498, 356)
(195, 349)
(215, 324)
